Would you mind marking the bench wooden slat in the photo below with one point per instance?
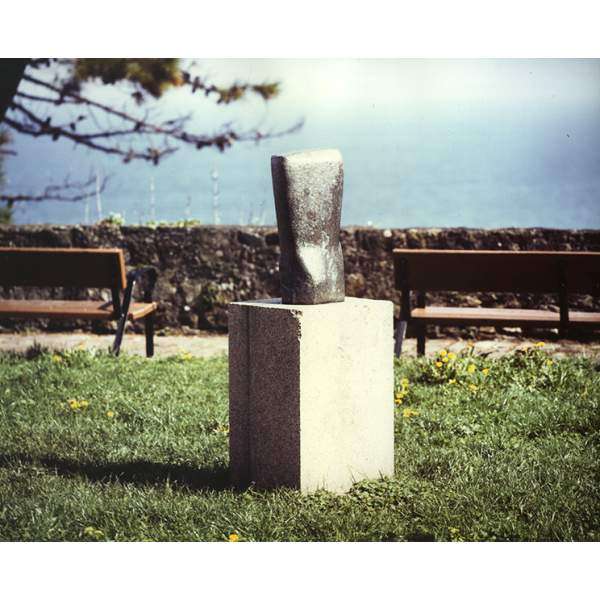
(446, 315)
(71, 309)
(498, 271)
(63, 267)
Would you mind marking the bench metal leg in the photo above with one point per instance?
(124, 313)
(400, 333)
(119, 337)
(149, 330)
(421, 331)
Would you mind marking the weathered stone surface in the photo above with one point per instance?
(309, 408)
(308, 189)
(204, 268)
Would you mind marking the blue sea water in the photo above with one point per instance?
(443, 169)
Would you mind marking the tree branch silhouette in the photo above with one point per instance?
(162, 137)
(68, 191)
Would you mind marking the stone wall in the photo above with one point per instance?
(203, 268)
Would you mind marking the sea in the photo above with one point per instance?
(454, 168)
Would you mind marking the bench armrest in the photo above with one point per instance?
(148, 275)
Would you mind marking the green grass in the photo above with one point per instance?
(511, 455)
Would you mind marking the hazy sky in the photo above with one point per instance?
(329, 86)
(379, 88)
(413, 80)
(513, 135)
(327, 90)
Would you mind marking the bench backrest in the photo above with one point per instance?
(63, 267)
(497, 271)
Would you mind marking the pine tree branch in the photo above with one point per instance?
(172, 129)
(37, 127)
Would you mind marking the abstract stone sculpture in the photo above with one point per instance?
(308, 200)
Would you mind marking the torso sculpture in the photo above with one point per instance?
(308, 190)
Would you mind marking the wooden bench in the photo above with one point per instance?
(79, 268)
(560, 273)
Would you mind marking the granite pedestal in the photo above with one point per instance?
(311, 393)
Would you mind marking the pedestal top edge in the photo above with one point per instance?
(275, 303)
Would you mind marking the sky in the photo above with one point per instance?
(331, 89)
(334, 87)
(425, 142)
(407, 81)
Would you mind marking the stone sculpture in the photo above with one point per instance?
(308, 190)
(308, 407)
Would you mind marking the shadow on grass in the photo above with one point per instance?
(140, 472)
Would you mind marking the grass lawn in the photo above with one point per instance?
(98, 448)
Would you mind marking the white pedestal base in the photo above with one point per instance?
(311, 393)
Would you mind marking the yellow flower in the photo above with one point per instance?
(438, 364)
(471, 369)
(234, 537)
(77, 404)
(399, 396)
(548, 363)
(445, 359)
(473, 387)
(407, 413)
(485, 371)
(451, 355)
(185, 356)
(92, 532)
(404, 382)
(110, 414)
(56, 358)
(451, 381)
(540, 344)
(443, 352)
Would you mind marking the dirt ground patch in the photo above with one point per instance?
(214, 345)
